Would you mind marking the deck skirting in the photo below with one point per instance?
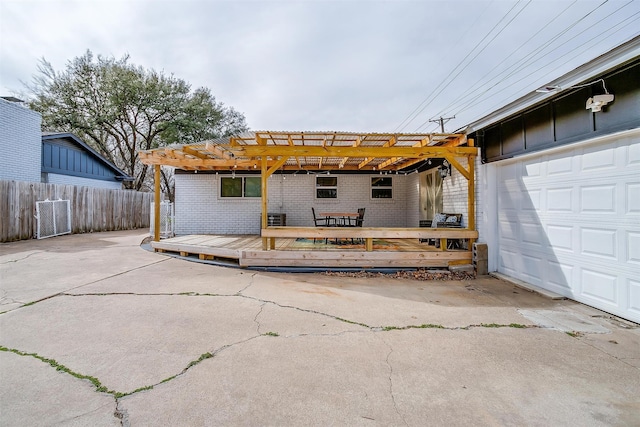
(247, 251)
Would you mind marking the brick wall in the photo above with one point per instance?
(53, 178)
(200, 210)
(20, 143)
(413, 199)
(454, 190)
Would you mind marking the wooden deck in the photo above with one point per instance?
(247, 251)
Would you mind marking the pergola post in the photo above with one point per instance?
(156, 203)
(264, 176)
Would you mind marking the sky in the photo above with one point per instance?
(360, 66)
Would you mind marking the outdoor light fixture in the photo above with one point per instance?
(596, 102)
(548, 89)
(444, 169)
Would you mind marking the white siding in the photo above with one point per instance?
(20, 143)
(199, 209)
(53, 178)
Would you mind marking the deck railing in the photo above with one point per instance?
(367, 234)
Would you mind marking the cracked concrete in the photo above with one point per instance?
(180, 343)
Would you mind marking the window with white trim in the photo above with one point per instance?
(248, 186)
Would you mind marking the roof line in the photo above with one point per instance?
(616, 57)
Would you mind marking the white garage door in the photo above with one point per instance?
(569, 222)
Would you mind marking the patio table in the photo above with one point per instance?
(340, 217)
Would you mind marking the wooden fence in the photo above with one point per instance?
(92, 209)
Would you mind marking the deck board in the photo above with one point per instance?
(247, 252)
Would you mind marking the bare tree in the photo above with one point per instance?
(119, 109)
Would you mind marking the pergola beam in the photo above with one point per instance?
(338, 151)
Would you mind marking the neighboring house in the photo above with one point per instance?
(559, 188)
(20, 141)
(66, 159)
(57, 158)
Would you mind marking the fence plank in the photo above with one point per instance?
(92, 209)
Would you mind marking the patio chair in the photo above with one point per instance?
(357, 221)
(322, 222)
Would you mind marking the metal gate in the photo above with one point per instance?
(53, 218)
(167, 216)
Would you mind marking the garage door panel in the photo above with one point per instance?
(570, 222)
(559, 276)
(600, 286)
(633, 152)
(532, 234)
(560, 237)
(633, 198)
(532, 269)
(560, 165)
(598, 242)
(633, 247)
(598, 198)
(598, 158)
(560, 199)
(507, 230)
(634, 296)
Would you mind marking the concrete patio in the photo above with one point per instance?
(95, 330)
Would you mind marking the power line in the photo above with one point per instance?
(533, 56)
(474, 57)
(417, 110)
(598, 37)
(478, 85)
(568, 59)
(442, 121)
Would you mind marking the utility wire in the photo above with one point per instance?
(598, 37)
(481, 81)
(503, 101)
(417, 110)
(474, 57)
(533, 56)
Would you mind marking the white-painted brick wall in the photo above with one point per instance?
(454, 190)
(20, 143)
(200, 210)
(53, 178)
(413, 200)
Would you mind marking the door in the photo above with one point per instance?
(569, 222)
(430, 194)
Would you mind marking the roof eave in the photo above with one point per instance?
(604, 63)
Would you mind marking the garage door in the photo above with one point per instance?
(569, 222)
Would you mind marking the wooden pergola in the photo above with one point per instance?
(314, 152)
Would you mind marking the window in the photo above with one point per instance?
(326, 187)
(240, 187)
(381, 187)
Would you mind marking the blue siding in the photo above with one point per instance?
(68, 161)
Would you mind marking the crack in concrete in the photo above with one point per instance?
(20, 259)
(255, 319)
(253, 276)
(393, 397)
(602, 350)
(121, 414)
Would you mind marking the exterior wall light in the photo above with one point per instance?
(445, 169)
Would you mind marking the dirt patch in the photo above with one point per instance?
(420, 274)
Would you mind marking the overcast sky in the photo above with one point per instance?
(388, 66)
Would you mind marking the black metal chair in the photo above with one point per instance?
(322, 222)
(357, 221)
